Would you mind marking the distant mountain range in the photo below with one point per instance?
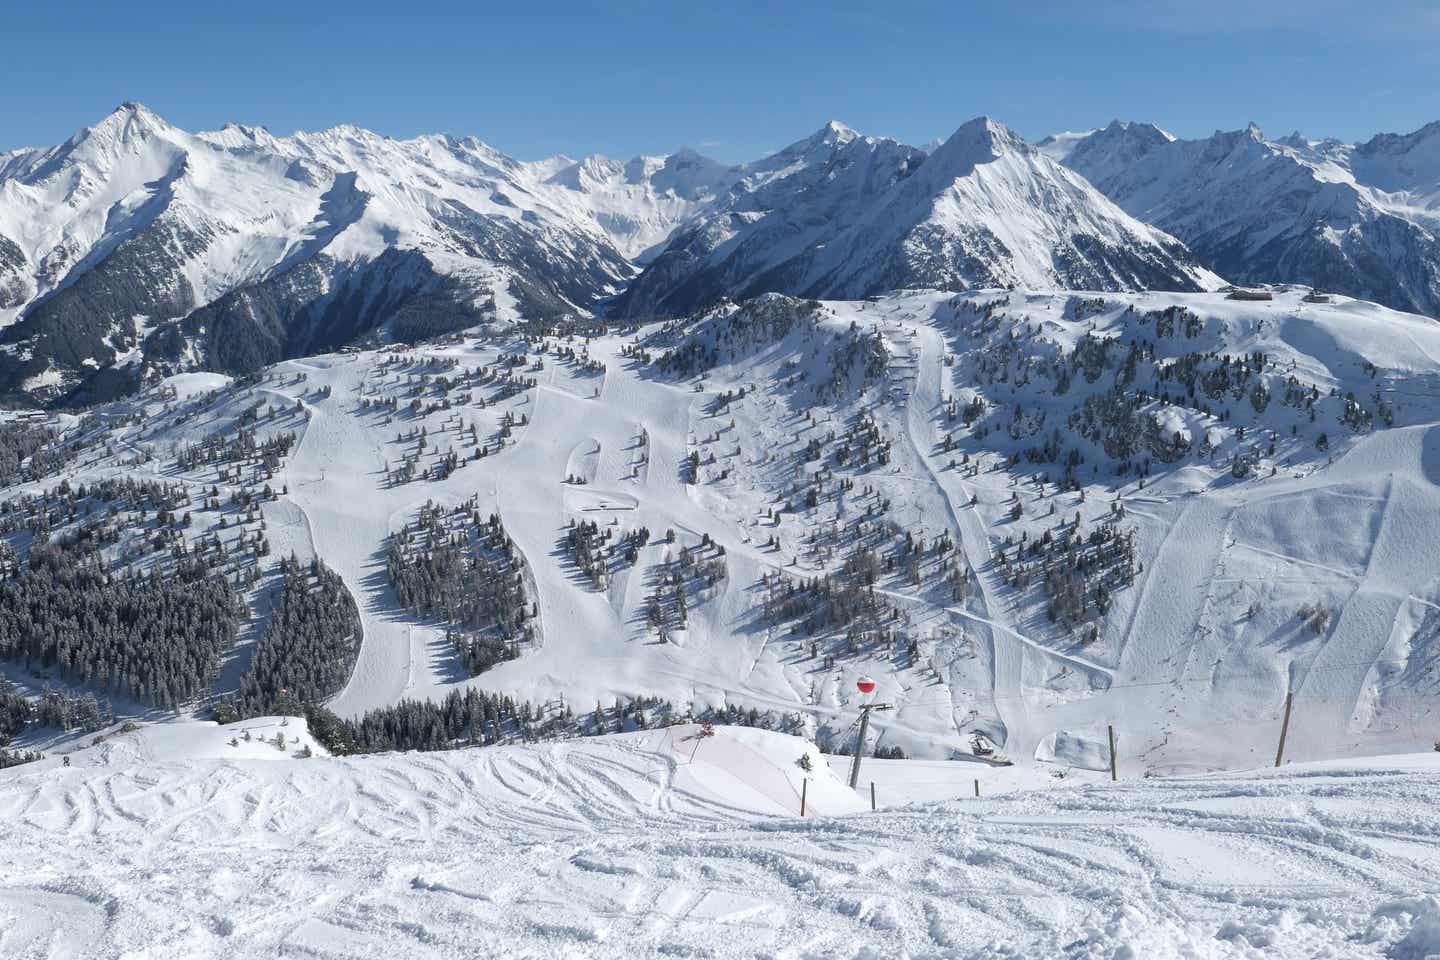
(1360, 219)
(135, 245)
(135, 249)
(839, 215)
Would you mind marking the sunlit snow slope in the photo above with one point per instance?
(1262, 564)
(169, 842)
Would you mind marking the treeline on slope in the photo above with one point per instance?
(241, 446)
(63, 711)
(471, 717)
(156, 639)
(100, 509)
(467, 573)
(1080, 572)
(855, 356)
(1140, 399)
(309, 647)
(28, 451)
(14, 758)
(725, 332)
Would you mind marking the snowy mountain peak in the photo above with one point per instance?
(1112, 147)
(586, 172)
(1121, 138)
(825, 141)
(689, 155)
(128, 122)
(1405, 163)
(1401, 142)
(133, 111)
(979, 141)
(242, 136)
(1143, 128)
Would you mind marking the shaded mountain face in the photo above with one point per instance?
(1355, 219)
(840, 215)
(135, 248)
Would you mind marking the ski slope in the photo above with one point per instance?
(168, 842)
(1190, 665)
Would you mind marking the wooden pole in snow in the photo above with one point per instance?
(1284, 727)
(1113, 771)
(804, 785)
(872, 796)
(977, 788)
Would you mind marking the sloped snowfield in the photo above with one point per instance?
(1208, 629)
(169, 842)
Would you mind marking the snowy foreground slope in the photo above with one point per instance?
(168, 842)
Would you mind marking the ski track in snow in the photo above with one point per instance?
(622, 846)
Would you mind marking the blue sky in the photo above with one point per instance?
(733, 80)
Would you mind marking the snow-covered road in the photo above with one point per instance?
(622, 847)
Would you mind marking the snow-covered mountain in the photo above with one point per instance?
(1360, 219)
(844, 215)
(639, 203)
(135, 250)
(112, 241)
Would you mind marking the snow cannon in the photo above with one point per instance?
(865, 685)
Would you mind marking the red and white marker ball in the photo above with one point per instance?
(865, 685)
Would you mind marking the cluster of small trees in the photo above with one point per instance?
(1171, 319)
(826, 603)
(63, 711)
(1316, 617)
(431, 392)
(464, 718)
(1117, 421)
(309, 647)
(469, 574)
(240, 447)
(585, 543)
(109, 498)
(157, 639)
(1127, 415)
(857, 356)
(29, 451)
(16, 711)
(692, 572)
(580, 359)
(1079, 573)
(863, 444)
(448, 461)
(72, 711)
(145, 516)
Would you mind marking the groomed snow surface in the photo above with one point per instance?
(169, 842)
